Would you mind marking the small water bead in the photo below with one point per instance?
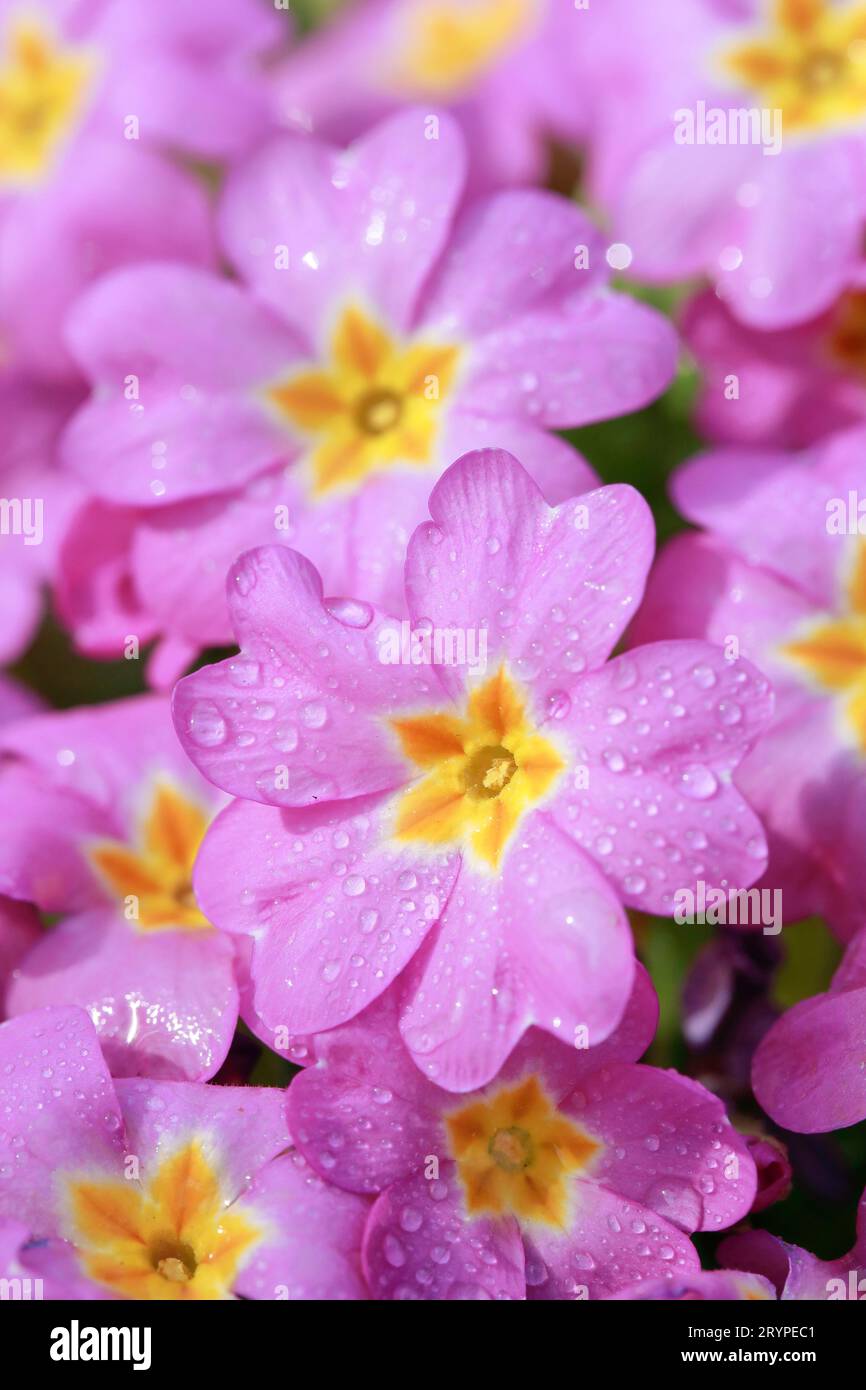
(704, 676)
(393, 1251)
(698, 782)
(315, 716)
(558, 704)
(350, 612)
(205, 725)
(354, 886)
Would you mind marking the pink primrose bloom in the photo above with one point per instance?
(167, 1190)
(472, 817)
(102, 818)
(574, 1173)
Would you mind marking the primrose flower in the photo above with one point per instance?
(102, 818)
(164, 1190)
(89, 98)
(500, 66)
(489, 821)
(779, 575)
(796, 1273)
(808, 1073)
(728, 140)
(380, 331)
(575, 1172)
(788, 388)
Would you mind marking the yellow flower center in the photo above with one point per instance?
(444, 48)
(832, 650)
(154, 881)
(515, 1153)
(42, 93)
(483, 771)
(376, 407)
(811, 65)
(172, 1238)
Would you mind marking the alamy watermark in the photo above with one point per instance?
(846, 516)
(734, 907)
(426, 645)
(22, 516)
(734, 125)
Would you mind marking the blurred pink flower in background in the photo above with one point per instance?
(774, 214)
(502, 67)
(94, 94)
(786, 388)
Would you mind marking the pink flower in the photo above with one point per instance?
(380, 331)
(778, 576)
(796, 1273)
(159, 1189)
(500, 66)
(102, 818)
(573, 1174)
(786, 388)
(808, 1072)
(89, 97)
(728, 141)
(486, 821)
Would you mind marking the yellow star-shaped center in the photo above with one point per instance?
(811, 64)
(376, 407)
(172, 1238)
(483, 771)
(154, 879)
(42, 92)
(515, 1153)
(444, 48)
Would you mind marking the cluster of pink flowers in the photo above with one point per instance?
(323, 954)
